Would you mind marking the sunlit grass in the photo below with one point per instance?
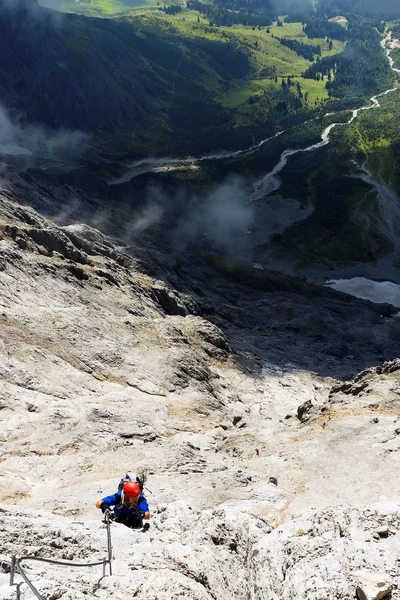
(237, 71)
(270, 61)
(341, 20)
(294, 31)
(316, 89)
(265, 49)
(235, 97)
(99, 7)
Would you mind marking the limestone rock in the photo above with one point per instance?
(350, 388)
(171, 302)
(98, 378)
(55, 240)
(383, 531)
(308, 558)
(372, 585)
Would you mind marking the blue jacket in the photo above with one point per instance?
(121, 511)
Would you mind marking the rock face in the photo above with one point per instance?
(222, 553)
(373, 586)
(116, 357)
(328, 554)
(304, 411)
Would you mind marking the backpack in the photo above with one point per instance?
(139, 478)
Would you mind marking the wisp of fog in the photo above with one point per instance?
(19, 138)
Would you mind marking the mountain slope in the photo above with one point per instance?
(220, 382)
(67, 73)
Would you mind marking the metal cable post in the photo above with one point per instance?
(12, 570)
(12, 577)
(18, 590)
(109, 544)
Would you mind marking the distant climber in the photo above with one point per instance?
(130, 505)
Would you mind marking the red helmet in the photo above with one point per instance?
(131, 490)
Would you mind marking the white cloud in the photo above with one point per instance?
(18, 138)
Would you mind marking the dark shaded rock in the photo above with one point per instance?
(11, 231)
(383, 532)
(349, 387)
(21, 241)
(5, 565)
(337, 350)
(17, 235)
(200, 373)
(170, 302)
(107, 275)
(56, 240)
(304, 410)
(78, 272)
(391, 366)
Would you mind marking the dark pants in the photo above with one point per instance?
(132, 523)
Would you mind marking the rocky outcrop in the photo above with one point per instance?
(304, 411)
(171, 302)
(222, 553)
(330, 554)
(373, 586)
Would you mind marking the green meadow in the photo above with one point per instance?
(98, 8)
(269, 60)
(211, 84)
(254, 92)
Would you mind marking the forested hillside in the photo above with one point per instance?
(187, 78)
(159, 72)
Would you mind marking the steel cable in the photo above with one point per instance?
(16, 564)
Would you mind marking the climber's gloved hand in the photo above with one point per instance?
(137, 513)
(103, 507)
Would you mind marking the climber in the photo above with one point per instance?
(139, 478)
(130, 506)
